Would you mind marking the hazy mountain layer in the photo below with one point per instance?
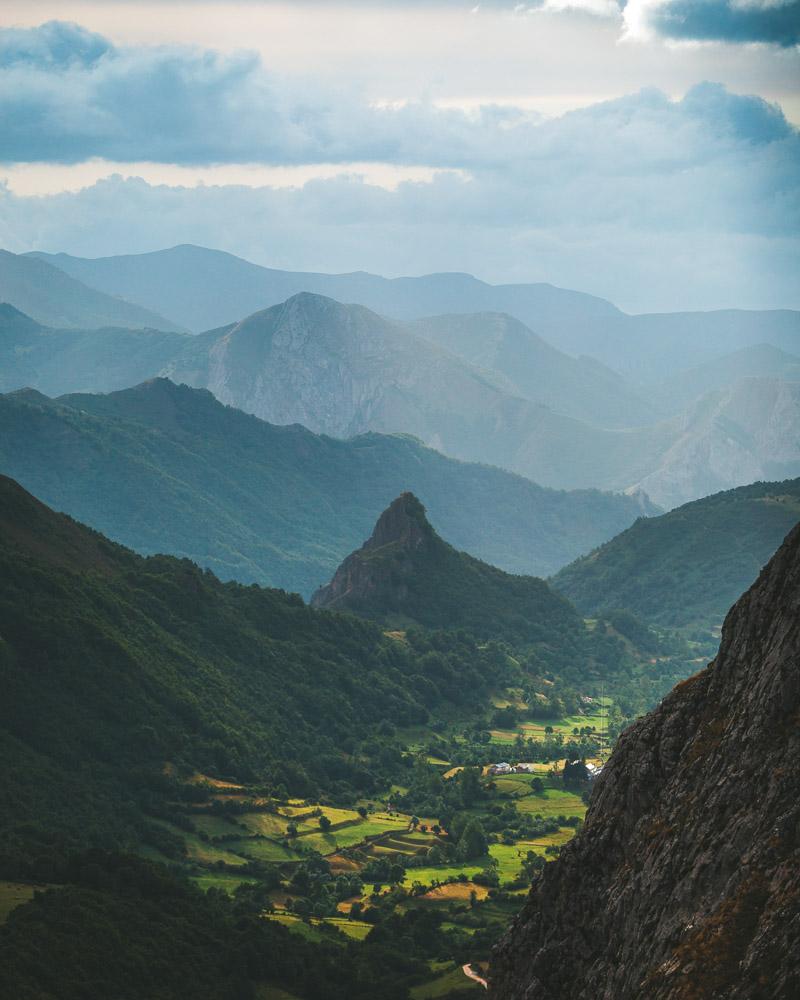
(578, 387)
(343, 370)
(168, 468)
(54, 298)
(688, 566)
(741, 434)
(680, 390)
(57, 361)
(685, 880)
(199, 288)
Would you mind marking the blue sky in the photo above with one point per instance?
(648, 153)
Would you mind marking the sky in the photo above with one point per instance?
(646, 152)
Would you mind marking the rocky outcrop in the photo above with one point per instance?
(377, 574)
(685, 881)
(406, 574)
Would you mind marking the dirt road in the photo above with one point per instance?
(467, 970)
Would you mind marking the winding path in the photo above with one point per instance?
(467, 970)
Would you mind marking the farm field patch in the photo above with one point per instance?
(14, 894)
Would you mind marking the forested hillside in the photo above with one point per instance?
(114, 665)
(165, 468)
(685, 568)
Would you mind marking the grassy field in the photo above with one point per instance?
(217, 826)
(348, 836)
(438, 873)
(200, 851)
(456, 891)
(296, 925)
(356, 929)
(552, 802)
(265, 824)
(227, 883)
(444, 984)
(12, 895)
(263, 850)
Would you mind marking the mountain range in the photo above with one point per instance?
(200, 288)
(167, 468)
(686, 568)
(56, 299)
(344, 370)
(684, 881)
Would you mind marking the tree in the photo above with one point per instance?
(473, 842)
(362, 812)
(324, 824)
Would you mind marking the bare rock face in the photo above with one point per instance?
(401, 531)
(685, 881)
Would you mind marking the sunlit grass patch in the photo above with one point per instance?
(357, 929)
(14, 894)
(349, 836)
(296, 925)
(438, 873)
(552, 802)
(227, 883)
(455, 891)
(265, 824)
(263, 850)
(203, 779)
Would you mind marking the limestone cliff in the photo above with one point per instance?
(685, 881)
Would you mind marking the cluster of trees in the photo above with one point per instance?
(180, 942)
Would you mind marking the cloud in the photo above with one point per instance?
(655, 203)
(774, 22)
(67, 95)
(52, 45)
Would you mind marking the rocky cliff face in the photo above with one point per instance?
(378, 572)
(685, 881)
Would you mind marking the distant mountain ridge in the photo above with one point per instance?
(201, 288)
(54, 298)
(56, 361)
(406, 574)
(686, 568)
(344, 370)
(162, 467)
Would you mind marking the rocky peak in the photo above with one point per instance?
(403, 523)
(685, 881)
(379, 570)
